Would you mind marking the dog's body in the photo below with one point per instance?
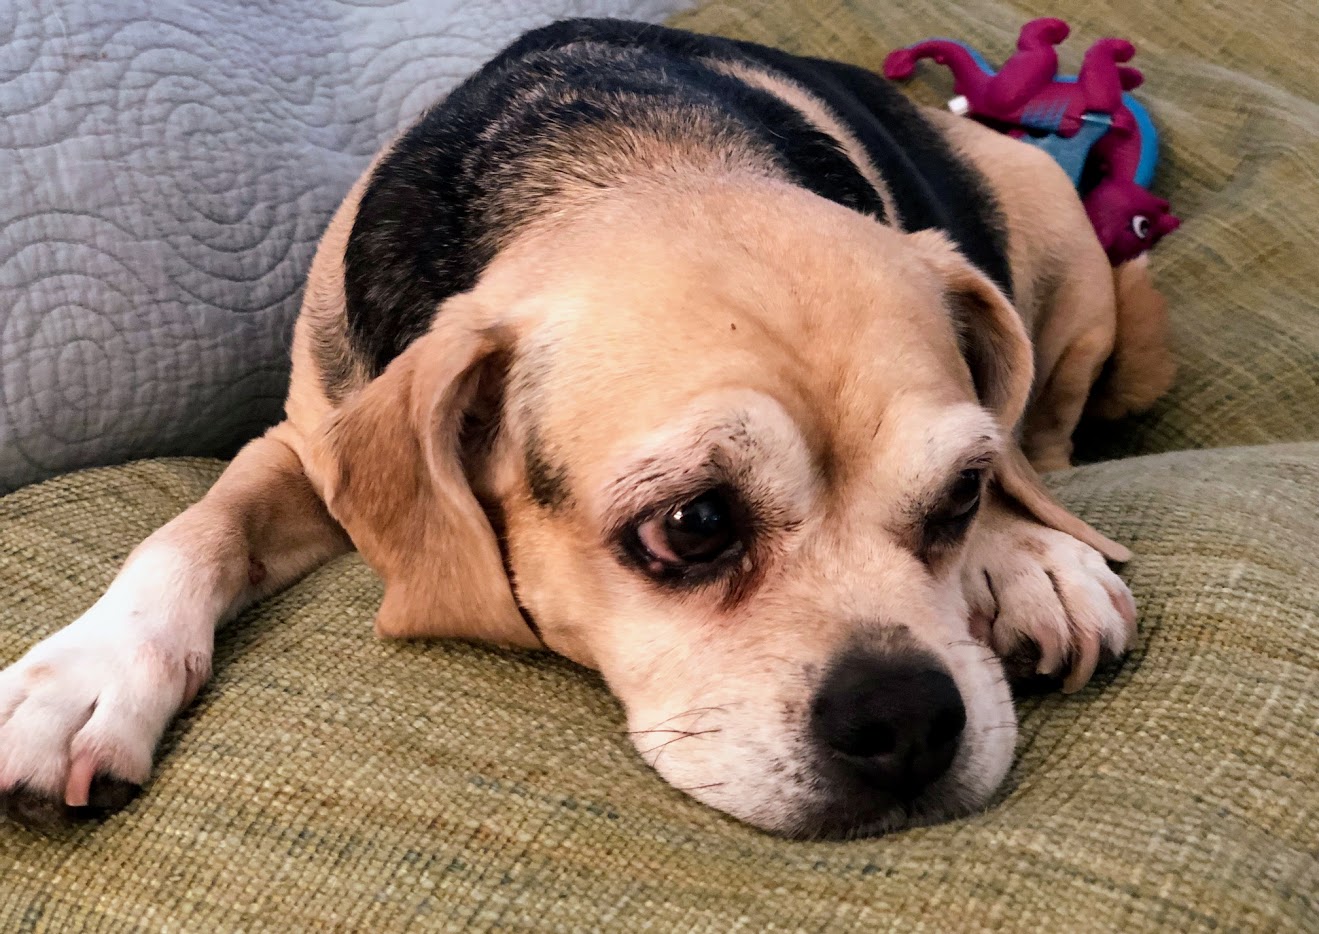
(690, 360)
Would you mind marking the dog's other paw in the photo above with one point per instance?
(1048, 604)
(82, 712)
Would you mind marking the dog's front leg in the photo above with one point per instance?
(82, 712)
(1047, 603)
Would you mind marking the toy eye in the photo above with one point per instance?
(1140, 226)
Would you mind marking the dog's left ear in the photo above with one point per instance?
(998, 354)
(396, 483)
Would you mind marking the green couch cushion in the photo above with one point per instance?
(327, 779)
(1233, 90)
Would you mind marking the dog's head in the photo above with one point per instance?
(726, 445)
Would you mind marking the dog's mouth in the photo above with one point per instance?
(851, 813)
(823, 808)
(806, 793)
(888, 736)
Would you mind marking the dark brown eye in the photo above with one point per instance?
(964, 496)
(946, 525)
(700, 531)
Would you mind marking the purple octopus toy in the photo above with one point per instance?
(1101, 135)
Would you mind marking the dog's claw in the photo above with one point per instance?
(77, 790)
(105, 794)
(1056, 607)
(1052, 651)
(1083, 666)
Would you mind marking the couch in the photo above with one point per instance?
(329, 781)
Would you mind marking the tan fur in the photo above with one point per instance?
(321, 356)
(696, 321)
(395, 481)
(820, 117)
(1142, 368)
(1067, 298)
(260, 512)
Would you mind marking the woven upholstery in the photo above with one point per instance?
(325, 777)
(326, 780)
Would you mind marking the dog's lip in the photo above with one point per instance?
(896, 818)
(874, 813)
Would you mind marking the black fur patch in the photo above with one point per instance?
(549, 483)
(933, 187)
(474, 167)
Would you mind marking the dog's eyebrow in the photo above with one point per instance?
(654, 479)
(979, 455)
(713, 455)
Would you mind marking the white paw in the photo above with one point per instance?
(1036, 591)
(82, 712)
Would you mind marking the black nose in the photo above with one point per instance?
(894, 723)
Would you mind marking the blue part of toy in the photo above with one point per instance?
(1149, 142)
(1072, 153)
(1046, 117)
(1149, 136)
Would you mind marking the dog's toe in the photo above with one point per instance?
(1055, 609)
(46, 813)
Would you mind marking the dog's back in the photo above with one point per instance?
(578, 107)
(462, 452)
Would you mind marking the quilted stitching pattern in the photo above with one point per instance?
(166, 167)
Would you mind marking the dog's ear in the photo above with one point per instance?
(990, 334)
(999, 355)
(396, 483)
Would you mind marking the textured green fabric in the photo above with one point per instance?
(1233, 89)
(325, 778)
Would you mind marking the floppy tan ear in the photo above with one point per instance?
(396, 484)
(998, 353)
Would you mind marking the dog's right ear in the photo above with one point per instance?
(396, 484)
(999, 357)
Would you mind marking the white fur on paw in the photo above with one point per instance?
(1028, 585)
(94, 698)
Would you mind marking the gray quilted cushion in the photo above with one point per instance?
(166, 167)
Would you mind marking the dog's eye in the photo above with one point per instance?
(964, 496)
(946, 525)
(700, 531)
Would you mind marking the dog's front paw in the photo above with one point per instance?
(82, 712)
(1047, 603)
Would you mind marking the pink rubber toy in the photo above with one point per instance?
(1101, 135)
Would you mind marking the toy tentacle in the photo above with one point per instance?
(1101, 78)
(1131, 78)
(1119, 153)
(1023, 77)
(1043, 33)
(969, 77)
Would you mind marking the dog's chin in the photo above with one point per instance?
(829, 805)
(807, 794)
(856, 814)
(774, 775)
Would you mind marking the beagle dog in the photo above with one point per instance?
(720, 370)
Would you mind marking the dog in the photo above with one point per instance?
(723, 371)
